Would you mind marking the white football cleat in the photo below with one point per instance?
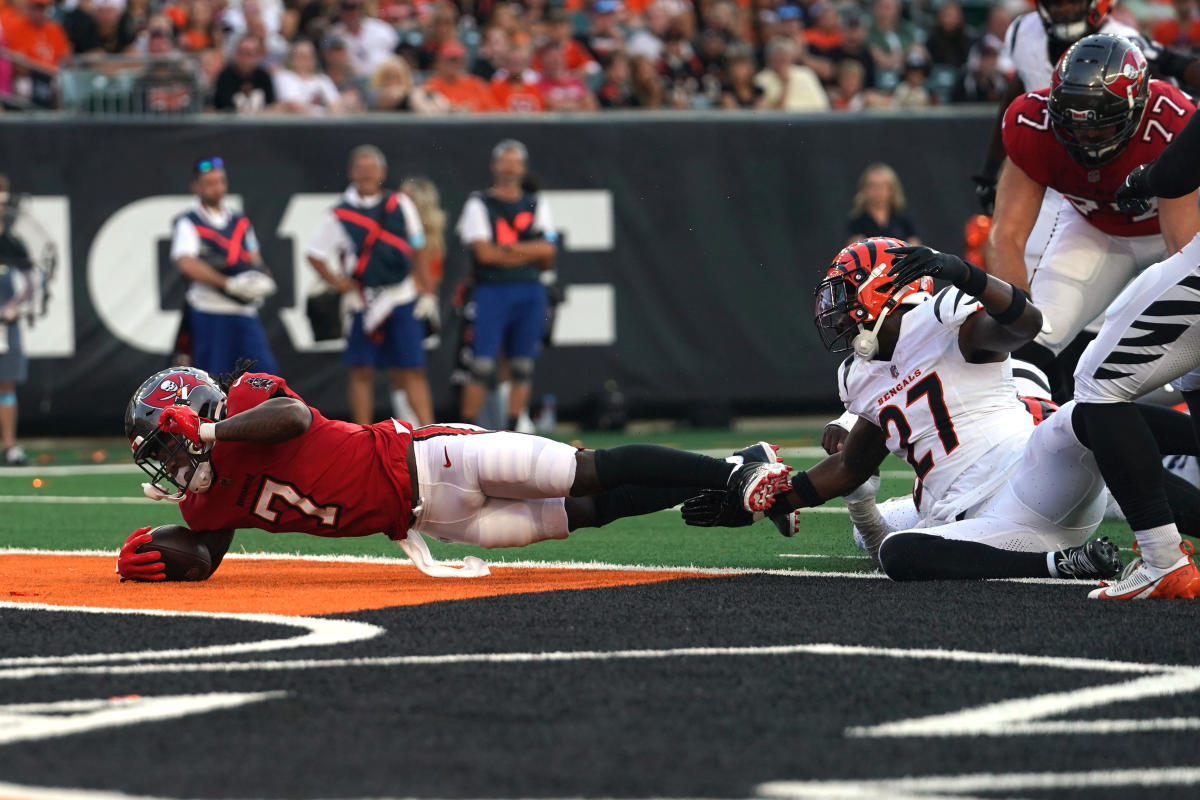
(756, 484)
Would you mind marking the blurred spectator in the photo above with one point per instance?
(647, 83)
(889, 41)
(998, 20)
(391, 88)
(647, 40)
(275, 47)
(492, 51)
(982, 82)
(36, 36)
(786, 85)
(948, 42)
(442, 29)
(575, 56)
(851, 93)
(99, 26)
(166, 83)
(244, 86)
(515, 87)
(854, 48)
(200, 31)
(1182, 29)
(740, 90)
(428, 200)
(301, 88)
(616, 91)
(879, 207)
(14, 292)
(604, 36)
(368, 40)
(826, 33)
(681, 69)
(381, 277)
(336, 58)
(560, 90)
(464, 92)
(912, 91)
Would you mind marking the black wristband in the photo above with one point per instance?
(808, 493)
(1015, 309)
(976, 282)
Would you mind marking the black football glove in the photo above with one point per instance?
(985, 193)
(919, 261)
(1133, 197)
(717, 508)
(1165, 61)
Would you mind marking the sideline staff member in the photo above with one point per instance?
(371, 246)
(511, 240)
(215, 248)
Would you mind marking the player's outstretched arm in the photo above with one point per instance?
(1011, 320)
(864, 450)
(272, 421)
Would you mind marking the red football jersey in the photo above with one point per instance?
(335, 479)
(1031, 145)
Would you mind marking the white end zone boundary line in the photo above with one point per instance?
(594, 565)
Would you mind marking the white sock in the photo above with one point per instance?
(1159, 546)
(1050, 564)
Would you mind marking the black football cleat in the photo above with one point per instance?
(1094, 560)
(755, 484)
(786, 522)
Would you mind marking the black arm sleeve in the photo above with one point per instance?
(217, 543)
(1177, 170)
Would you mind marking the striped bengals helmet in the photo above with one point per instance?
(856, 290)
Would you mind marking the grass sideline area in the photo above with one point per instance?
(42, 508)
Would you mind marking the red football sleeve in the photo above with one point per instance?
(254, 388)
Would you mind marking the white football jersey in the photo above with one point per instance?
(1027, 45)
(958, 424)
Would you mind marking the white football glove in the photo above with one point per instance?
(250, 286)
(427, 308)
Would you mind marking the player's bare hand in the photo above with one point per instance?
(1133, 197)
(343, 284)
(181, 420)
(833, 438)
(918, 261)
(135, 566)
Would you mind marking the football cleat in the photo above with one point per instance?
(1141, 581)
(756, 484)
(1096, 559)
(788, 522)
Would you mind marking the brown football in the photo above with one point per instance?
(185, 558)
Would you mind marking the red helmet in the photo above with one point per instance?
(853, 294)
(1069, 20)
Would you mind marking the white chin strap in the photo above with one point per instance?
(154, 493)
(866, 344)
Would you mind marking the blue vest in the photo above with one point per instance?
(511, 223)
(224, 249)
(380, 237)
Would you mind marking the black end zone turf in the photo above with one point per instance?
(697, 726)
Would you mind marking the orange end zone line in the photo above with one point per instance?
(287, 587)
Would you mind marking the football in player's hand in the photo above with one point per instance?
(186, 559)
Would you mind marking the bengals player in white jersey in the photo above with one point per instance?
(931, 382)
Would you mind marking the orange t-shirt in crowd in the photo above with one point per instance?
(44, 44)
(467, 91)
(823, 40)
(517, 96)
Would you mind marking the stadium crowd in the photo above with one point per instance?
(345, 56)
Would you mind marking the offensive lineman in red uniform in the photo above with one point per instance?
(1101, 117)
(260, 457)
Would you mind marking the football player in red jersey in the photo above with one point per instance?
(260, 457)
(1101, 117)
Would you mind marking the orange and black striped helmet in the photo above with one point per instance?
(856, 290)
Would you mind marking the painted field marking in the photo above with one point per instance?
(549, 657)
(74, 500)
(25, 722)
(319, 632)
(944, 787)
(823, 555)
(36, 471)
